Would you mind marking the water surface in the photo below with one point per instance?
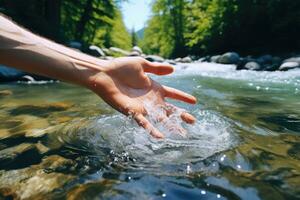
(60, 141)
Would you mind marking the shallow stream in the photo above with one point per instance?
(60, 141)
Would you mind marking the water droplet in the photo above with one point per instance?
(203, 192)
(257, 87)
(239, 166)
(218, 196)
(188, 169)
(164, 195)
(222, 158)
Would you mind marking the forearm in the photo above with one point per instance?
(23, 50)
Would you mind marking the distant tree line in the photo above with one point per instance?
(87, 21)
(182, 27)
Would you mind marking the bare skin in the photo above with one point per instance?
(122, 82)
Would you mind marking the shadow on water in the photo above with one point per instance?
(281, 122)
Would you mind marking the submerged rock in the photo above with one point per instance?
(289, 65)
(229, 58)
(5, 93)
(37, 181)
(19, 156)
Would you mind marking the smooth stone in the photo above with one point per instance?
(186, 60)
(106, 51)
(293, 59)
(215, 59)
(5, 93)
(289, 65)
(271, 67)
(265, 59)
(134, 53)
(12, 156)
(75, 45)
(37, 181)
(96, 51)
(252, 66)
(178, 59)
(172, 62)
(119, 51)
(204, 59)
(154, 58)
(229, 58)
(137, 49)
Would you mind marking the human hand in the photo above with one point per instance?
(126, 87)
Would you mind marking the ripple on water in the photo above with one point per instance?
(211, 134)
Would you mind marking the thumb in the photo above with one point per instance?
(158, 68)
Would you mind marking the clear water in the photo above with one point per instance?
(245, 144)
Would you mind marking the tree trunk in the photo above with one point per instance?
(85, 17)
(53, 16)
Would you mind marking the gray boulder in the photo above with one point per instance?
(186, 60)
(75, 45)
(265, 59)
(293, 59)
(154, 58)
(119, 51)
(106, 51)
(252, 66)
(134, 53)
(215, 59)
(96, 51)
(178, 60)
(289, 65)
(137, 49)
(229, 58)
(172, 62)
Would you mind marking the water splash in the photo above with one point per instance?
(211, 134)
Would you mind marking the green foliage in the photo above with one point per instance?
(134, 38)
(114, 35)
(87, 21)
(164, 34)
(197, 27)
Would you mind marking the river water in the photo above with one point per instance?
(59, 141)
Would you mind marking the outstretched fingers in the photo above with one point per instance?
(186, 117)
(143, 122)
(179, 95)
(157, 68)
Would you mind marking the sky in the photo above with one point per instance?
(136, 13)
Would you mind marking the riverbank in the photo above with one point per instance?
(260, 63)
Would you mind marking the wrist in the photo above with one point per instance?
(90, 72)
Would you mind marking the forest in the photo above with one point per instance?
(176, 28)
